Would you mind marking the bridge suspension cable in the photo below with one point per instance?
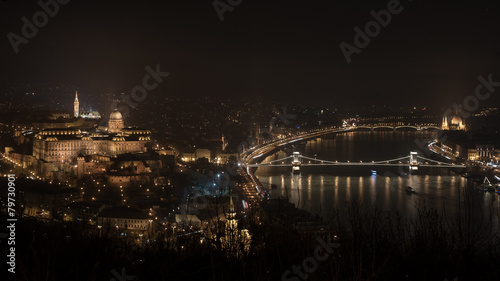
(319, 160)
(443, 163)
(412, 162)
(277, 160)
(377, 162)
(391, 160)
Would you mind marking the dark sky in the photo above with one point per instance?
(430, 53)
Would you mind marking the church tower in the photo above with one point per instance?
(444, 124)
(76, 108)
(232, 222)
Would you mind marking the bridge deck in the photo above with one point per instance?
(359, 164)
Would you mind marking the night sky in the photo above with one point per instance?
(287, 51)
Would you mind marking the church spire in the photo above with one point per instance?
(232, 212)
(76, 106)
(231, 205)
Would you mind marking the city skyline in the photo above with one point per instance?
(241, 140)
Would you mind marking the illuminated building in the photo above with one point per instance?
(63, 145)
(45, 200)
(76, 106)
(115, 123)
(453, 122)
(234, 240)
(90, 115)
(83, 114)
(129, 219)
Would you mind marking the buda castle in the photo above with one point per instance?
(64, 145)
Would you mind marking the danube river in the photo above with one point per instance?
(320, 190)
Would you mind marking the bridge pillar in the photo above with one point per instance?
(296, 162)
(296, 156)
(413, 161)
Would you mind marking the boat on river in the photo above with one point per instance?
(410, 190)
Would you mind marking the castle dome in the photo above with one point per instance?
(115, 115)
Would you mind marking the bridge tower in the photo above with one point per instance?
(413, 161)
(296, 162)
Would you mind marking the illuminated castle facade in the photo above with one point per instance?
(115, 123)
(64, 145)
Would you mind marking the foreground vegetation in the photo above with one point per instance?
(374, 245)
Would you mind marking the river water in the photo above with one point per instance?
(322, 189)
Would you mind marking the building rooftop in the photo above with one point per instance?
(123, 212)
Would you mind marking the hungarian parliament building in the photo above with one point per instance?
(66, 145)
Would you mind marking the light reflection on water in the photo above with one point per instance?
(315, 192)
(322, 189)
